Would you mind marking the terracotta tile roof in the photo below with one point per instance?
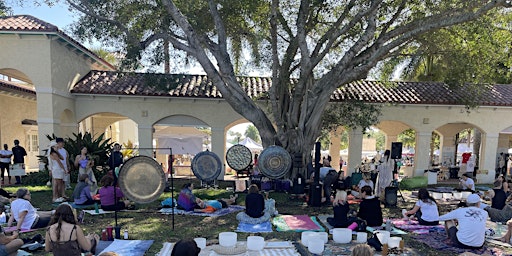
(7, 87)
(198, 86)
(30, 24)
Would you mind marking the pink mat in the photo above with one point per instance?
(303, 222)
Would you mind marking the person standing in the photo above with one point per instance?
(385, 176)
(19, 154)
(65, 160)
(5, 161)
(116, 157)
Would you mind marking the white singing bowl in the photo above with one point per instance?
(394, 242)
(304, 237)
(324, 236)
(457, 195)
(316, 246)
(227, 239)
(342, 235)
(383, 236)
(255, 243)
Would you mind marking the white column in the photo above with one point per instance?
(219, 146)
(488, 153)
(421, 154)
(46, 126)
(145, 140)
(355, 139)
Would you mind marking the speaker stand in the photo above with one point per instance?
(397, 185)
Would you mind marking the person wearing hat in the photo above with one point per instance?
(470, 232)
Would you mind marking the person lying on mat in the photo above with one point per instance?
(109, 202)
(255, 210)
(369, 209)
(64, 237)
(26, 216)
(214, 205)
(341, 209)
(425, 209)
(185, 247)
(470, 232)
(9, 245)
(82, 192)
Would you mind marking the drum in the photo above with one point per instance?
(274, 162)
(142, 179)
(239, 157)
(206, 166)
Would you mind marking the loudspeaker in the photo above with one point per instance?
(396, 150)
(315, 195)
(390, 196)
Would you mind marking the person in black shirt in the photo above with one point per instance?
(116, 157)
(499, 197)
(340, 208)
(255, 211)
(369, 209)
(19, 154)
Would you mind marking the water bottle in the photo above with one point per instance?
(96, 208)
(499, 228)
(125, 236)
(389, 226)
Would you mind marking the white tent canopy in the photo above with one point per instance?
(251, 144)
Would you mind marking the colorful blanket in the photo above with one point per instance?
(414, 227)
(440, 242)
(129, 247)
(221, 212)
(297, 223)
(264, 227)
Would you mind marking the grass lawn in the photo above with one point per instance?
(148, 224)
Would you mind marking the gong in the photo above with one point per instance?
(274, 162)
(142, 179)
(239, 157)
(206, 166)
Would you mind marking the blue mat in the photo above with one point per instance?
(87, 206)
(221, 212)
(264, 227)
(128, 247)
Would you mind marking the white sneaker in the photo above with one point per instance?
(59, 200)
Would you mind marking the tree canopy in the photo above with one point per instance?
(310, 47)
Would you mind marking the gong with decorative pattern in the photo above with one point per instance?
(206, 166)
(239, 157)
(142, 179)
(274, 162)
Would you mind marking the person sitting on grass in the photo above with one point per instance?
(64, 237)
(82, 192)
(498, 196)
(9, 245)
(470, 232)
(186, 199)
(366, 181)
(466, 183)
(185, 247)
(341, 209)
(425, 209)
(25, 215)
(369, 208)
(108, 201)
(255, 210)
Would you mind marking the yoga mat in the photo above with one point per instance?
(129, 247)
(440, 242)
(323, 220)
(413, 226)
(100, 211)
(264, 227)
(78, 206)
(296, 223)
(221, 212)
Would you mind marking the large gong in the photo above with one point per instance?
(239, 157)
(206, 166)
(142, 179)
(274, 162)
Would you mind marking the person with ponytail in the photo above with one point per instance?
(64, 237)
(425, 209)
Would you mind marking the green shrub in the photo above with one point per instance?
(36, 178)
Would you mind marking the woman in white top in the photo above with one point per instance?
(385, 173)
(25, 214)
(425, 209)
(57, 171)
